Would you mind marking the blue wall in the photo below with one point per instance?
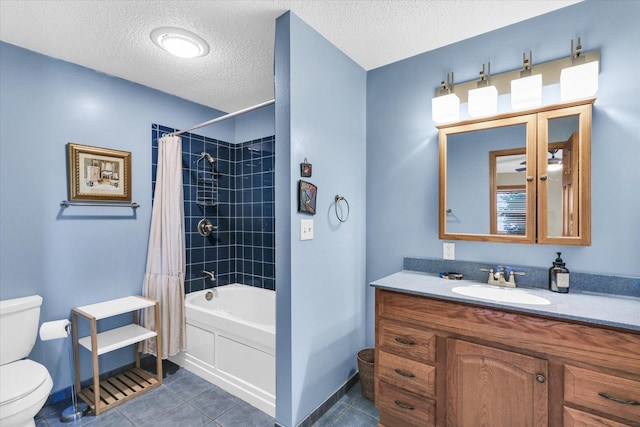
(255, 124)
(402, 143)
(320, 115)
(59, 253)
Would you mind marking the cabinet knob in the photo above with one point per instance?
(543, 177)
(540, 378)
(529, 179)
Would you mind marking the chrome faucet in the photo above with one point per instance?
(211, 275)
(498, 278)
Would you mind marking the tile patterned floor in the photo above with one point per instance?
(186, 400)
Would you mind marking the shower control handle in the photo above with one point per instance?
(205, 227)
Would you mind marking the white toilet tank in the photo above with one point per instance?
(19, 320)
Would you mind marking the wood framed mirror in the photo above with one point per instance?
(519, 177)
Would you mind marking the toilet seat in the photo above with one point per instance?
(24, 388)
(21, 379)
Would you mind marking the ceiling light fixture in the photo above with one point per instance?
(553, 163)
(179, 42)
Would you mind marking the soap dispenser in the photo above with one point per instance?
(559, 276)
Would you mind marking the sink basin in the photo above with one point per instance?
(494, 293)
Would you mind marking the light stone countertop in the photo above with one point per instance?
(598, 309)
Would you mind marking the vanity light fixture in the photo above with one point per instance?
(179, 42)
(483, 101)
(526, 92)
(445, 107)
(577, 76)
(581, 79)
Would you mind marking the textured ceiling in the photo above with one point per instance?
(113, 36)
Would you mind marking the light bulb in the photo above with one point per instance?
(483, 101)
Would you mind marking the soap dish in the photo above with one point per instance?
(451, 275)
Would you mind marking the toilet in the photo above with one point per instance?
(24, 384)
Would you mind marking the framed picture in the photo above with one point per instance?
(98, 174)
(307, 193)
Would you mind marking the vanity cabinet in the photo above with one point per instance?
(492, 387)
(443, 363)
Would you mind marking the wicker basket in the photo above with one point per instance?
(365, 368)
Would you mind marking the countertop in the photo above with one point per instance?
(598, 309)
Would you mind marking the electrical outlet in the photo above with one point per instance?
(449, 250)
(306, 229)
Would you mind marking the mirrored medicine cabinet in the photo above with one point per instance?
(522, 177)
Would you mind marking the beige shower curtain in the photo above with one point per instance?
(164, 277)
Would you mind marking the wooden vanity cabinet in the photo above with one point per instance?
(491, 387)
(441, 363)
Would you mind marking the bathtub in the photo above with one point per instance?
(231, 341)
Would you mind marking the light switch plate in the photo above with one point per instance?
(306, 229)
(448, 250)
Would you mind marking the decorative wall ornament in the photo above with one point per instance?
(98, 174)
(307, 193)
(305, 169)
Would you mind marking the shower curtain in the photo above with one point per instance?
(164, 277)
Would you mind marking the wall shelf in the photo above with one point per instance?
(67, 203)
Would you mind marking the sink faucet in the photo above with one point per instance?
(497, 278)
(211, 275)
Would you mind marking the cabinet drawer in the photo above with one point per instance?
(406, 341)
(606, 393)
(409, 407)
(410, 375)
(574, 418)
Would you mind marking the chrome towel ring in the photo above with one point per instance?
(339, 199)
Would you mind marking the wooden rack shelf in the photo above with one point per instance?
(105, 394)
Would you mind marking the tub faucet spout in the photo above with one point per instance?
(211, 275)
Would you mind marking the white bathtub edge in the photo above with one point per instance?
(250, 394)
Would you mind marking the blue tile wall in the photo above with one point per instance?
(254, 222)
(242, 250)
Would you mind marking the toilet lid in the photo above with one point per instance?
(20, 378)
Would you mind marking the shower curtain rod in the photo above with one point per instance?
(226, 116)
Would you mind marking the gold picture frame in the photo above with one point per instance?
(98, 174)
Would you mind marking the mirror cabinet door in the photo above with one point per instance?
(519, 177)
(564, 186)
(485, 194)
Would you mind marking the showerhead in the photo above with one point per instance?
(209, 157)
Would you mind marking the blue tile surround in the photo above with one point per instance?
(534, 276)
(242, 250)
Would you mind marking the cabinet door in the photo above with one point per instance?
(493, 388)
(564, 189)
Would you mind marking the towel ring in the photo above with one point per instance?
(337, 200)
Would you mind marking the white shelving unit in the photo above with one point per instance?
(105, 394)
